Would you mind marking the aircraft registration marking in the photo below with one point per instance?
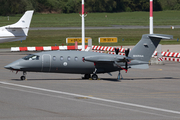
(138, 55)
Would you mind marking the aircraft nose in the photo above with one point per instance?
(7, 66)
(12, 66)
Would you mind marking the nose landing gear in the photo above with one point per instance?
(24, 76)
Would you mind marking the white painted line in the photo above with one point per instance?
(94, 103)
(94, 98)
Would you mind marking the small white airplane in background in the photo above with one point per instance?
(17, 31)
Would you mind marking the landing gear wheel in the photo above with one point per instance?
(94, 77)
(23, 77)
(87, 76)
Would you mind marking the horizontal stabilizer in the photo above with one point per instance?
(142, 66)
(9, 27)
(161, 36)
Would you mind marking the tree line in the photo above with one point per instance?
(8, 7)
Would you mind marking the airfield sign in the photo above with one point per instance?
(79, 40)
(108, 39)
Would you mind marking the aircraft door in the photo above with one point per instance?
(46, 63)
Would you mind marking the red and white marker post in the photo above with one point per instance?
(83, 27)
(151, 17)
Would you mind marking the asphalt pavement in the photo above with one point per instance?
(152, 94)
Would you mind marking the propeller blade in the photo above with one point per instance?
(126, 66)
(116, 50)
(127, 52)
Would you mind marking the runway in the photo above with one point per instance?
(151, 94)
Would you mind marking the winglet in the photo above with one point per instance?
(161, 36)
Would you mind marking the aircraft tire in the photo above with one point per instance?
(23, 77)
(87, 76)
(94, 77)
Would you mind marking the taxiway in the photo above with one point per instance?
(152, 94)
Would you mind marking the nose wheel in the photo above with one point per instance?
(94, 77)
(24, 76)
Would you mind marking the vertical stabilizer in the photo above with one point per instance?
(23, 23)
(17, 31)
(144, 49)
(25, 20)
(151, 17)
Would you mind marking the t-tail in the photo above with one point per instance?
(144, 49)
(17, 31)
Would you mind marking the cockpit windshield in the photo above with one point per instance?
(31, 57)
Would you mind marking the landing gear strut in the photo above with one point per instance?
(24, 76)
(119, 77)
(94, 76)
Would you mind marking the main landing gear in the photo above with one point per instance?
(24, 76)
(93, 77)
(88, 76)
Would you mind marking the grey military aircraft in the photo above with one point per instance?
(90, 63)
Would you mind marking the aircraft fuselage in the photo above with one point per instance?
(62, 62)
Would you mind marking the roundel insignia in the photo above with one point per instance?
(65, 63)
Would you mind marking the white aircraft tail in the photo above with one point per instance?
(17, 31)
(23, 23)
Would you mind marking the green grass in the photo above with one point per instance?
(58, 37)
(98, 19)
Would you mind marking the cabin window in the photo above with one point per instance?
(68, 58)
(76, 58)
(54, 58)
(31, 57)
(61, 58)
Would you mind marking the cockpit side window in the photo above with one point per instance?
(31, 57)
